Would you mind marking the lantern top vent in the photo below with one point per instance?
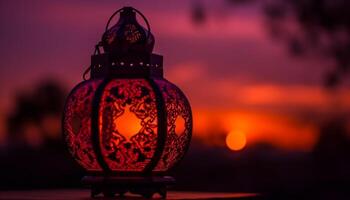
(127, 36)
(127, 49)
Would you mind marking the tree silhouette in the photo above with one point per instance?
(38, 111)
(317, 28)
(322, 29)
(45, 163)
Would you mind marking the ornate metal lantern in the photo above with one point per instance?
(127, 125)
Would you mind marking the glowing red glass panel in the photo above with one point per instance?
(179, 124)
(128, 124)
(77, 124)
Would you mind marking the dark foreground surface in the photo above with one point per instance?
(83, 194)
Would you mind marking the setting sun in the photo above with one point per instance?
(236, 140)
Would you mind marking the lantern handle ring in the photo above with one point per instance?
(137, 11)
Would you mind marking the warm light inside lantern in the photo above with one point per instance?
(128, 124)
(179, 125)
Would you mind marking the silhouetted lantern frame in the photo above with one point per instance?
(127, 75)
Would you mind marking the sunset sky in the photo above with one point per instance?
(236, 76)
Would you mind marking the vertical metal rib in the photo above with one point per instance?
(95, 136)
(162, 127)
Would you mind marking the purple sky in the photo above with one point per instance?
(229, 62)
(55, 39)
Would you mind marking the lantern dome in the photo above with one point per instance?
(127, 35)
(127, 118)
(127, 125)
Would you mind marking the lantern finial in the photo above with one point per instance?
(127, 35)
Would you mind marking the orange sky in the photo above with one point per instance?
(265, 113)
(277, 130)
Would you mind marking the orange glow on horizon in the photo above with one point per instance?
(280, 131)
(236, 140)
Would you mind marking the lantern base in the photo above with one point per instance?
(110, 186)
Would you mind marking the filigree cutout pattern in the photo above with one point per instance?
(128, 152)
(77, 124)
(178, 114)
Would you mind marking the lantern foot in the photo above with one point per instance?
(110, 186)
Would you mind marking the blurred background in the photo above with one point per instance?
(267, 80)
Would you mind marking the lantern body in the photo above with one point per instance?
(127, 120)
(127, 125)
